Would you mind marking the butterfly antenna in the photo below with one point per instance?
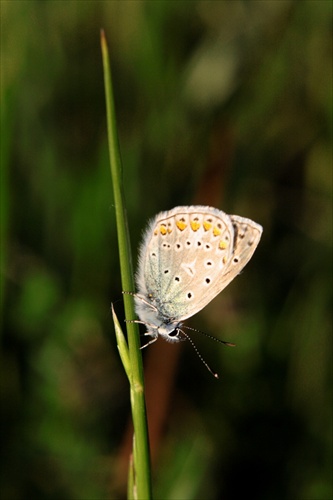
(199, 355)
(229, 344)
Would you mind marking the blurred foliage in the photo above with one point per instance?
(226, 103)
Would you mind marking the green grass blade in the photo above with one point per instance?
(121, 344)
(141, 450)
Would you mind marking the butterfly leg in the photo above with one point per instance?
(150, 341)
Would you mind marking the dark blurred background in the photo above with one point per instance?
(226, 103)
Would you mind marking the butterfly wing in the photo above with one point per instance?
(190, 254)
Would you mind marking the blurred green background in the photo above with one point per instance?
(222, 103)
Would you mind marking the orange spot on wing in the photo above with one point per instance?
(207, 225)
(181, 225)
(195, 225)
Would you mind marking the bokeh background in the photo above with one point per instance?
(226, 103)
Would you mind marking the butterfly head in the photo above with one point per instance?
(155, 322)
